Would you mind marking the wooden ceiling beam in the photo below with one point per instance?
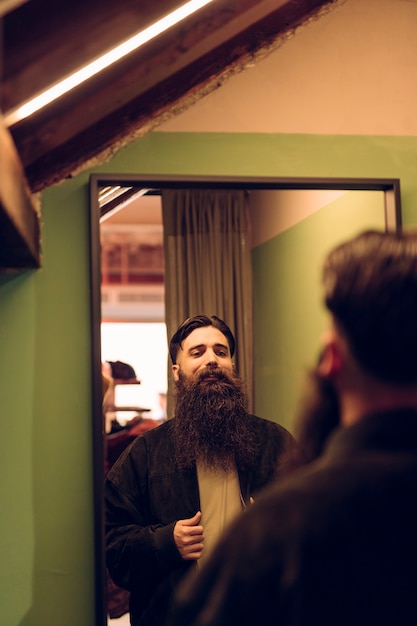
(19, 221)
(129, 98)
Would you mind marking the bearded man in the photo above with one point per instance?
(174, 490)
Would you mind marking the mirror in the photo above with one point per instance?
(389, 216)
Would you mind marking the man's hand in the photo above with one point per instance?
(188, 537)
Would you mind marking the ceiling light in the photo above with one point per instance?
(102, 62)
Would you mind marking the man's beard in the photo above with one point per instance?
(317, 418)
(210, 423)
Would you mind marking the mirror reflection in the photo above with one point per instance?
(300, 223)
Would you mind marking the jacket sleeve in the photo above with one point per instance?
(140, 549)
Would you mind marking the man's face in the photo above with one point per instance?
(205, 347)
(210, 421)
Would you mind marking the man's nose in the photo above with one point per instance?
(211, 359)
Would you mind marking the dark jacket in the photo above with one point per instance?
(146, 494)
(333, 545)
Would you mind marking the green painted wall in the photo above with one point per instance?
(289, 316)
(46, 564)
(46, 527)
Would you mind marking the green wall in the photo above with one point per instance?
(289, 316)
(46, 564)
(46, 526)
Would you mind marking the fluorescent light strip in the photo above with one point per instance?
(101, 63)
(105, 214)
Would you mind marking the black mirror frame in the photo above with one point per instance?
(391, 188)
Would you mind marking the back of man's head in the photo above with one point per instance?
(370, 285)
(198, 321)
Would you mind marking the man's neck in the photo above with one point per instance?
(356, 406)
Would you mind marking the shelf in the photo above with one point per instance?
(115, 409)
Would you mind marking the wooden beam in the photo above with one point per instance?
(19, 220)
(131, 97)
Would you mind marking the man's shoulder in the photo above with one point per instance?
(159, 433)
(154, 437)
(269, 426)
(152, 445)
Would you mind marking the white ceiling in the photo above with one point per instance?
(350, 71)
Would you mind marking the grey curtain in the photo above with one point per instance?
(208, 266)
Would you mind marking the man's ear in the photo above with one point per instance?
(176, 371)
(331, 358)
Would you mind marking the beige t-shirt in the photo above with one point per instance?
(220, 501)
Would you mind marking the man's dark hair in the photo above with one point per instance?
(370, 285)
(198, 321)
